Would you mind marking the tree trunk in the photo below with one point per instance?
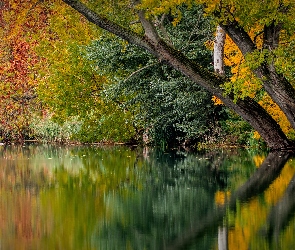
(219, 51)
(251, 111)
(276, 85)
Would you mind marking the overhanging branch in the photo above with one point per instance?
(108, 25)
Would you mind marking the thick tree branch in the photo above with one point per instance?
(271, 36)
(275, 84)
(108, 25)
(239, 36)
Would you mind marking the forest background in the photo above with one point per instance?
(64, 79)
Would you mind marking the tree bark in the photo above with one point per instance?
(276, 85)
(251, 111)
(219, 51)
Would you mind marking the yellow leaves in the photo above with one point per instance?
(250, 14)
(274, 110)
(216, 100)
(209, 44)
(178, 16)
(64, 25)
(210, 6)
(159, 7)
(258, 160)
(221, 197)
(278, 187)
(256, 135)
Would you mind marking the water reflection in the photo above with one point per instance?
(261, 179)
(123, 198)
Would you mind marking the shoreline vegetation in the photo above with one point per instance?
(193, 147)
(234, 134)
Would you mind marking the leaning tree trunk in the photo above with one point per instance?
(275, 84)
(248, 109)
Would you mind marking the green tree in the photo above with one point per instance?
(166, 105)
(68, 85)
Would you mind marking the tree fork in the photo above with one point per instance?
(276, 85)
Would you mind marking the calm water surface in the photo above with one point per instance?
(121, 198)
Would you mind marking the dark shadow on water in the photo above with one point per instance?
(269, 170)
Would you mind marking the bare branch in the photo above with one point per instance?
(160, 25)
(139, 70)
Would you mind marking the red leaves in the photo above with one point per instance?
(17, 83)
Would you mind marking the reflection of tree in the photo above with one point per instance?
(114, 198)
(52, 197)
(167, 204)
(280, 214)
(262, 178)
(179, 188)
(256, 184)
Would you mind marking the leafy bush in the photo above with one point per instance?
(107, 127)
(47, 130)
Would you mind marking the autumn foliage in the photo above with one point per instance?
(42, 59)
(18, 59)
(244, 83)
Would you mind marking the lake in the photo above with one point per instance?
(92, 197)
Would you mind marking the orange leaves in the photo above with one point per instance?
(216, 101)
(17, 81)
(278, 115)
(274, 110)
(221, 197)
(243, 82)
